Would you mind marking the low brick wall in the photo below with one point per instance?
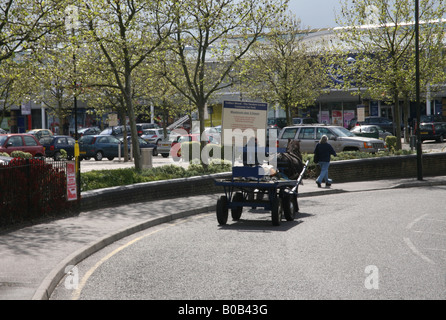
(148, 191)
(434, 164)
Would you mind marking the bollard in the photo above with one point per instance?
(413, 142)
(146, 158)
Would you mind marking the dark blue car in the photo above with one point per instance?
(54, 144)
(99, 147)
(142, 144)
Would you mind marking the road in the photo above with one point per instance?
(362, 245)
(88, 165)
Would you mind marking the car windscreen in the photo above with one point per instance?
(46, 140)
(87, 140)
(342, 132)
(3, 139)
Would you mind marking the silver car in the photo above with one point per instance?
(153, 135)
(340, 138)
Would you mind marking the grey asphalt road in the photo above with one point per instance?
(361, 245)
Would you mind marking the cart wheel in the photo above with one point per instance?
(222, 210)
(236, 212)
(289, 206)
(276, 212)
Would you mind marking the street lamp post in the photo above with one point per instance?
(417, 80)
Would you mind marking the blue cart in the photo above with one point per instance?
(249, 188)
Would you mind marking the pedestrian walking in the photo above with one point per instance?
(322, 155)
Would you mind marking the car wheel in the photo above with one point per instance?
(110, 158)
(165, 155)
(155, 152)
(98, 156)
(56, 156)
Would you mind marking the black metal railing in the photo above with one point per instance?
(32, 189)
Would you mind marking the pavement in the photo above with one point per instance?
(34, 258)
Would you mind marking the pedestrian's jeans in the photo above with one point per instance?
(323, 177)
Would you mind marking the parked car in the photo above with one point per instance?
(269, 132)
(432, 118)
(88, 131)
(370, 131)
(297, 121)
(213, 134)
(164, 145)
(382, 122)
(53, 146)
(40, 133)
(2, 131)
(175, 151)
(432, 131)
(117, 131)
(277, 122)
(21, 142)
(142, 144)
(99, 147)
(140, 127)
(153, 135)
(339, 137)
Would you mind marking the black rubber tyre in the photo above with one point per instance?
(236, 212)
(276, 212)
(98, 156)
(222, 210)
(289, 206)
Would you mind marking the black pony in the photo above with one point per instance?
(290, 163)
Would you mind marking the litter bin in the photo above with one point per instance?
(146, 158)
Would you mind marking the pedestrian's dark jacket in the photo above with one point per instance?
(324, 150)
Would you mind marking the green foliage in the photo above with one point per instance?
(4, 154)
(21, 154)
(63, 154)
(98, 179)
(391, 143)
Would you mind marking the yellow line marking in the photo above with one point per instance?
(76, 294)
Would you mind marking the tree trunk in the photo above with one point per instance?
(126, 145)
(131, 114)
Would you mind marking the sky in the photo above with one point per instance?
(316, 13)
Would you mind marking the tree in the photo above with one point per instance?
(283, 70)
(209, 38)
(23, 22)
(126, 33)
(381, 33)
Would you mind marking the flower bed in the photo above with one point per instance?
(31, 189)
